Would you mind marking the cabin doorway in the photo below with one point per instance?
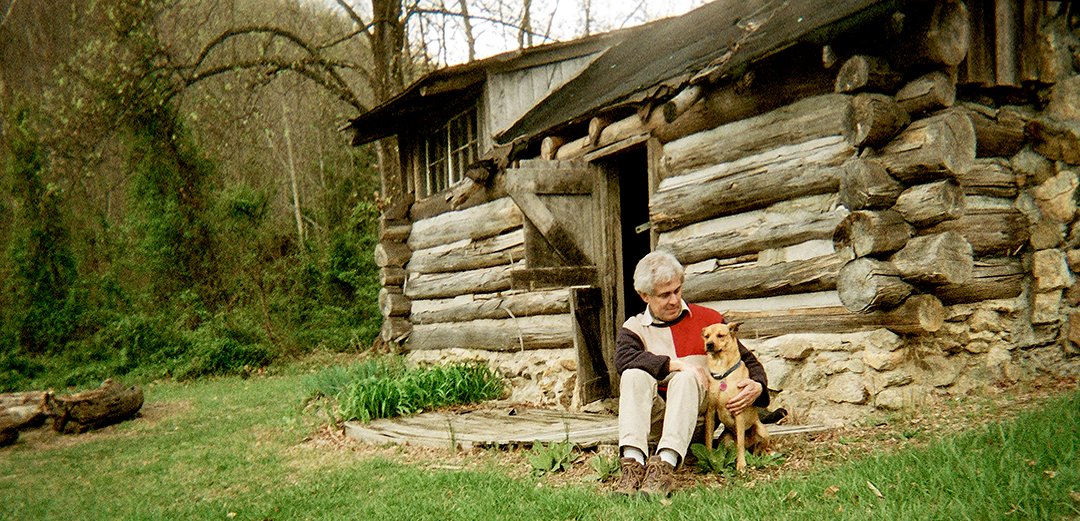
(631, 169)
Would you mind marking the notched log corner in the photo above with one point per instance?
(80, 412)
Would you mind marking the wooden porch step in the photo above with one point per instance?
(507, 427)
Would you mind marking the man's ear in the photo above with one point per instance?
(644, 297)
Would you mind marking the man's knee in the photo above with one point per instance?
(683, 378)
(635, 376)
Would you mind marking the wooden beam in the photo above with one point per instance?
(533, 279)
(752, 182)
(803, 276)
(510, 334)
(490, 306)
(805, 120)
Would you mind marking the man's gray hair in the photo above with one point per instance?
(656, 267)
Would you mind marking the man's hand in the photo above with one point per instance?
(749, 390)
(674, 364)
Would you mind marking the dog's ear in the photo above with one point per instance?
(734, 327)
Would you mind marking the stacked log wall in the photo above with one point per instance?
(891, 240)
(928, 245)
(462, 306)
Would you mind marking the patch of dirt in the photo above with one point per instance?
(877, 433)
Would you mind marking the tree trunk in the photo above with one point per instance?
(865, 285)
(862, 73)
(942, 145)
(866, 185)
(930, 203)
(990, 177)
(80, 412)
(802, 276)
(478, 222)
(468, 254)
(550, 145)
(392, 276)
(393, 304)
(990, 231)
(991, 278)
(995, 137)
(944, 258)
(394, 230)
(510, 334)
(927, 93)
(1057, 140)
(771, 83)
(805, 120)
(395, 330)
(392, 254)
(918, 314)
(20, 411)
(779, 225)
(444, 285)
(499, 305)
(753, 182)
(869, 232)
(938, 36)
(878, 119)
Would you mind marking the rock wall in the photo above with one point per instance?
(541, 377)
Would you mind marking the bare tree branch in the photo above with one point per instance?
(311, 67)
(272, 66)
(512, 25)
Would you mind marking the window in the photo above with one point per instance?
(447, 152)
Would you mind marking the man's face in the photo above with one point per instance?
(666, 302)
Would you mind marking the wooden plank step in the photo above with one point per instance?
(507, 427)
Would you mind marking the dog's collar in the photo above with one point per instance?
(729, 371)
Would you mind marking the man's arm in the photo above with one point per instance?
(757, 374)
(630, 353)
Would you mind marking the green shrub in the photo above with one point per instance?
(383, 391)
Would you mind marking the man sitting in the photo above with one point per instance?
(661, 361)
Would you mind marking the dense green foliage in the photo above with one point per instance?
(212, 447)
(384, 387)
(130, 251)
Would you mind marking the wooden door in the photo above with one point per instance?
(572, 240)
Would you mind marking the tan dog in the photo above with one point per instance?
(725, 365)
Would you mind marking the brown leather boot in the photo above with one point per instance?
(630, 478)
(659, 477)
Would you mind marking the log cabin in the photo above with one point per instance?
(882, 191)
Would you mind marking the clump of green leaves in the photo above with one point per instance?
(721, 460)
(384, 387)
(606, 467)
(551, 457)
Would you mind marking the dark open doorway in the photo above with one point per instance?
(632, 167)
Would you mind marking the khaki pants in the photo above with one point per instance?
(644, 416)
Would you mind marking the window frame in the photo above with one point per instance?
(446, 152)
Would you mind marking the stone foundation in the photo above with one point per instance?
(538, 376)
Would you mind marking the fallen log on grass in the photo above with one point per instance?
(19, 411)
(111, 403)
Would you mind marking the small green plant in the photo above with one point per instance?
(606, 467)
(720, 460)
(764, 461)
(552, 457)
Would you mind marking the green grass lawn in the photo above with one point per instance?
(235, 449)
